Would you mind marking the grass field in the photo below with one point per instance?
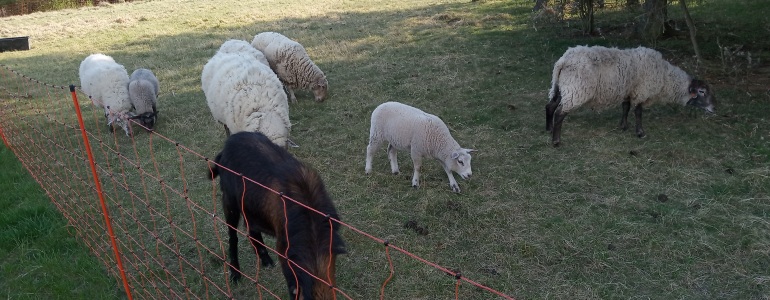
(682, 213)
(39, 256)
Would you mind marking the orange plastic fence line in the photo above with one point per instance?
(98, 186)
(3, 137)
(390, 265)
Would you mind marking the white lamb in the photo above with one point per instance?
(291, 63)
(408, 128)
(106, 83)
(244, 94)
(601, 77)
(143, 88)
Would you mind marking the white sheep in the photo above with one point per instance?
(601, 77)
(291, 63)
(244, 94)
(408, 128)
(143, 89)
(243, 48)
(106, 83)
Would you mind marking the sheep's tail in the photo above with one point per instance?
(213, 169)
(555, 94)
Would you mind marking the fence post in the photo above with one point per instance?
(99, 191)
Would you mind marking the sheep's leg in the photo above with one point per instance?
(290, 93)
(556, 140)
(417, 161)
(393, 159)
(370, 150)
(291, 282)
(232, 217)
(259, 245)
(452, 182)
(638, 114)
(549, 110)
(624, 115)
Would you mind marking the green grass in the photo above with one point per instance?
(39, 256)
(583, 221)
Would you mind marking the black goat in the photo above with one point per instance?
(310, 244)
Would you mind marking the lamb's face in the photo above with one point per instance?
(319, 90)
(461, 162)
(701, 96)
(146, 119)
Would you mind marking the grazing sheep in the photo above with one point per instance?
(106, 83)
(244, 94)
(143, 93)
(601, 77)
(408, 128)
(291, 63)
(308, 238)
(243, 47)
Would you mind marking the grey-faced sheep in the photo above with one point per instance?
(106, 83)
(408, 128)
(291, 63)
(601, 77)
(143, 88)
(308, 238)
(244, 94)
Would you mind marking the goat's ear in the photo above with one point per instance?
(339, 247)
(291, 144)
(213, 169)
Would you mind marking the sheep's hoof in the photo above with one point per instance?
(396, 172)
(556, 144)
(456, 188)
(235, 276)
(641, 134)
(268, 262)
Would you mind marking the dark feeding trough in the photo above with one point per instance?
(14, 43)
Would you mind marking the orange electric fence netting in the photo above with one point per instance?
(143, 206)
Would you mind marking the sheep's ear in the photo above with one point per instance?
(470, 150)
(455, 155)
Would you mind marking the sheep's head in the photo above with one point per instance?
(146, 119)
(119, 119)
(460, 162)
(271, 124)
(701, 96)
(319, 89)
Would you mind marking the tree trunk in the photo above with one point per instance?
(587, 15)
(691, 26)
(540, 4)
(651, 28)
